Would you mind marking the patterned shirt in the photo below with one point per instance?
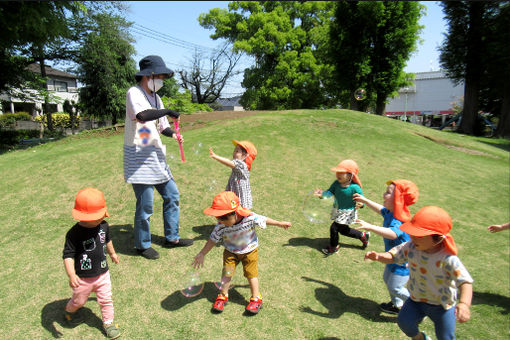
(240, 238)
(239, 183)
(433, 278)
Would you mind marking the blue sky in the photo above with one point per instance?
(176, 21)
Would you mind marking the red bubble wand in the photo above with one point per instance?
(178, 133)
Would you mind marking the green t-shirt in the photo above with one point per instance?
(343, 195)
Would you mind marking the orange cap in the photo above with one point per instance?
(429, 221)
(405, 194)
(251, 150)
(350, 166)
(89, 205)
(225, 203)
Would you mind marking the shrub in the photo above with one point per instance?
(182, 103)
(9, 119)
(60, 120)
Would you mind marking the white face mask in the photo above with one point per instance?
(155, 84)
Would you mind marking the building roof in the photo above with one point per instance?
(234, 101)
(50, 71)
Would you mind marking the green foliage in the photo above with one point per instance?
(170, 88)
(9, 138)
(9, 119)
(61, 120)
(181, 102)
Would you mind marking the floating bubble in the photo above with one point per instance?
(360, 94)
(226, 277)
(317, 208)
(197, 148)
(193, 285)
(171, 156)
(213, 185)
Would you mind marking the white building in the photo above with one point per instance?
(61, 85)
(432, 95)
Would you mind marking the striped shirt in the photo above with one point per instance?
(239, 183)
(144, 153)
(240, 238)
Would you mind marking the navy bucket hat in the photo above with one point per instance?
(153, 64)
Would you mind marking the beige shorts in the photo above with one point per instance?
(249, 261)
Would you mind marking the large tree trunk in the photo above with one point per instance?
(470, 111)
(380, 104)
(503, 129)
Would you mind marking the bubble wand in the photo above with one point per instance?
(178, 133)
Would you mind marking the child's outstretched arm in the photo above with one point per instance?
(462, 311)
(112, 253)
(281, 224)
(222, 160)
(74, 280)
(386, 257)
(498, 227)
(371, 204)
(384, 232)
(198, 260)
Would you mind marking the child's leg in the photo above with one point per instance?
(349, 232)
(444, 321)
(230, 261)
(104, 297)
(333, 234)
(251, 272)
(254, 286)
(396, 287)
(409, 317)
(80, 295)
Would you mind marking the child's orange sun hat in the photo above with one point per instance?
(225, 203)
(405, 194)
(251, 150)
(89, 205)
(350, 166)
(430, 221)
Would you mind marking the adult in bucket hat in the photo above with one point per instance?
(145, 164)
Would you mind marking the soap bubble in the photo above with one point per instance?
(317, 208)
(360, 94)
(193, 285)
(197, 148)
(213, 185)
(226, 276)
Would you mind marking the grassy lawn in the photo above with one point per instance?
(306, 296)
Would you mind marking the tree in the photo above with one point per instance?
(287, 40)
(106, 69)
(370, 43)
(206, 84)
(465, 52)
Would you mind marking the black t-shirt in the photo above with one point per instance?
(87, 246)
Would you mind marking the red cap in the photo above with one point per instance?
(349, 166)
(405, 194)
(430, 221)
(251, 150)
(225, 203)
(89, 205)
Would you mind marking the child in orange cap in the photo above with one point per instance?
(236, 229)
(345, 211)
(399, 195)
(87, 243)
(239, 181)
(435, 274)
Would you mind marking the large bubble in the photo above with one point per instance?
(317, 207)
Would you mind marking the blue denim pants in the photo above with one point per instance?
(412, 313)
(144, 201)
(396, 285)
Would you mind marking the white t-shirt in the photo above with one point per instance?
(240, 238)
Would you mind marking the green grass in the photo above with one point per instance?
(306, 296)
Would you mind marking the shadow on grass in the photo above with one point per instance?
(503, 146)
(316, 243)
(337, 303)
(484, 298)
(53, 313)
(204, 231)
(176, 300)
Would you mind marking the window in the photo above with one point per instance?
(60, 86)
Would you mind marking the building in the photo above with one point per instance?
(62, 86)
(431, 98)
(230, 104)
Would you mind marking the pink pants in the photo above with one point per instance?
(102, 286)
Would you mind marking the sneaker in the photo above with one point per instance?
(330, 250)
(73, 319)
(148, 253)
(112, 330)
(254, 306)
(425, 336)
(364, 239)
(182, 242)
(220, 302)
(389, 308)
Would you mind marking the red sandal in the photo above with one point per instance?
(220, 302)
(254, 306)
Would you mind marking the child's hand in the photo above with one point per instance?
(211, 153)
(359, 198)
(359, 205)
(318, 192)
(363, 225)
(115, 258)
(372, 255)
(462, 312)
(74, 281)
(285, 225)
(198, 261)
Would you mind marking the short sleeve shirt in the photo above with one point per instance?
(343, 195)
(433, 278)
(240, 238)
(239, 183)
(393, 224)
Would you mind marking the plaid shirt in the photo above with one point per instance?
(239, 183)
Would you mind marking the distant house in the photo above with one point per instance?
(62, 86)
(431, 96)
(230, 104)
